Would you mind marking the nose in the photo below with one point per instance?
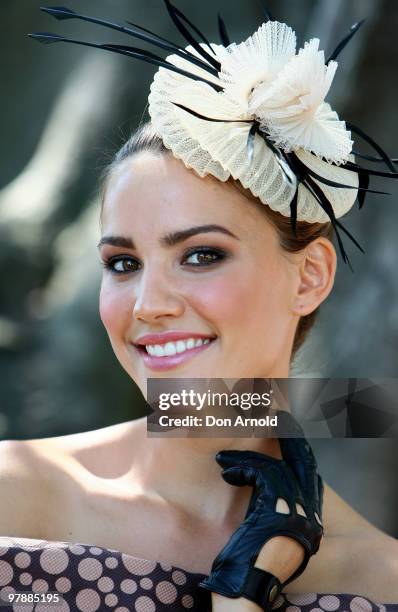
(157, 297)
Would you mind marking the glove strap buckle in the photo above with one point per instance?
(261, 587)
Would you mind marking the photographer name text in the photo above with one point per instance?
(212, 421)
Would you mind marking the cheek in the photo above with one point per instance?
(224, 298)
(245, 299)
(114, 309)
(214, 297)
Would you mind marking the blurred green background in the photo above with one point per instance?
(64, 112)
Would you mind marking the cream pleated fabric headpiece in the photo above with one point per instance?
(254, 111)
(263, 80)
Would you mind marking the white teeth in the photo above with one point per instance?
(181, 346)
(171, 348)
(156, 350)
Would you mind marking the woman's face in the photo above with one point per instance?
(195, 284)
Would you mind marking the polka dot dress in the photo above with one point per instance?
(90, 578)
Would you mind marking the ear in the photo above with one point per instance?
(316, 272)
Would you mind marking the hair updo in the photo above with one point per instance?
(144, 138)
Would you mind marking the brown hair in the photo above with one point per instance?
(145, 139)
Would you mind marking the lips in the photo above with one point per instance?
(170, 349)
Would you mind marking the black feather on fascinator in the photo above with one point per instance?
(255, 111)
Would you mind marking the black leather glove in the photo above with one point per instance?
(294, 479)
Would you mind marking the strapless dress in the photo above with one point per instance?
(88, 578)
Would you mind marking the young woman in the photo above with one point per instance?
(201, 280)
(173, 245)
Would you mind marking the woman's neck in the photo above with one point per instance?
(183, 472)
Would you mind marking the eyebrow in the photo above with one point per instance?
(168, 240)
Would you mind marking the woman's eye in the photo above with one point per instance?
(121, 265)
(204, 257)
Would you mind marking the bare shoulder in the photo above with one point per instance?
(372, 564)
(355, 556)
(101, 452)
(20, 462)
(365, 565)
(24, 487)
(93, 439)
(39, 476)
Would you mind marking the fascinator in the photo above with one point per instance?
(253, 111)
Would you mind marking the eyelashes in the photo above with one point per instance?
(197, 257)
(121, 264)
(203, 256)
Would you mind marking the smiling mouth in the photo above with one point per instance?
(175, 348)
(172, 353)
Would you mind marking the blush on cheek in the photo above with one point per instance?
(240, 305)
(218, 300)
(111, 310)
